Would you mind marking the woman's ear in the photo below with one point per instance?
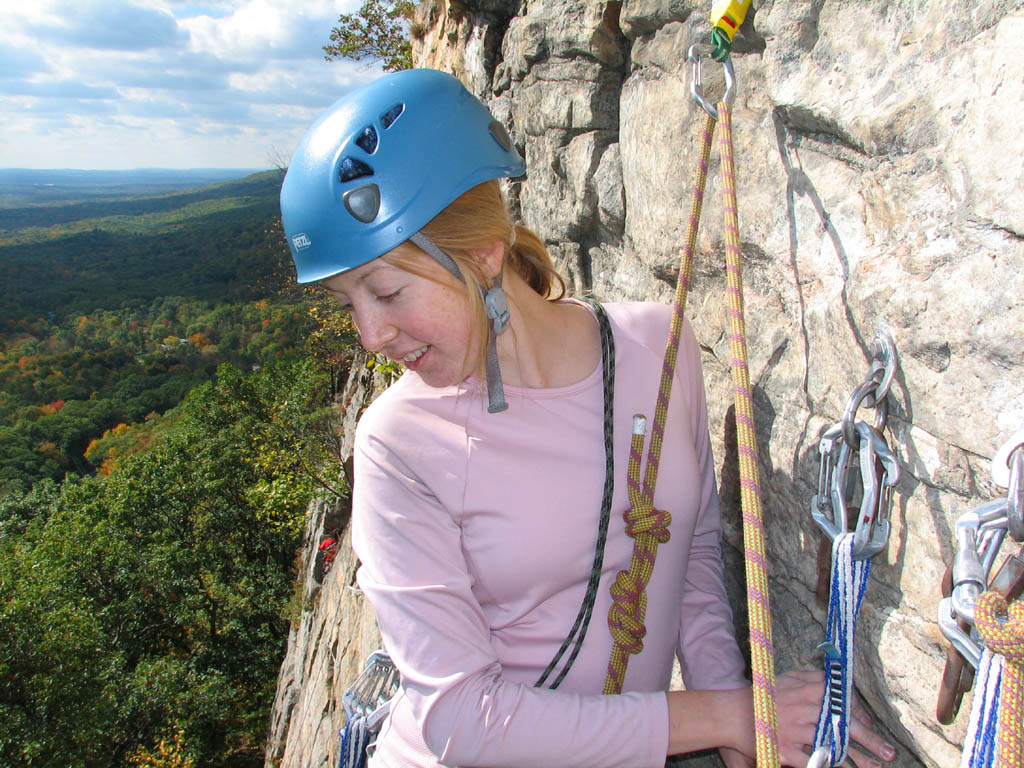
(492, 258)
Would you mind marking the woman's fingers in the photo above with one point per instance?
(870, 741)
(798, 696)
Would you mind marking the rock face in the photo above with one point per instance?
(880, 171)
(334, 630)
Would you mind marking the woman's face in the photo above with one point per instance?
(421, 322)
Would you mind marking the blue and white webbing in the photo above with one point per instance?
(849, 580)
(354, 739)
(980, 742)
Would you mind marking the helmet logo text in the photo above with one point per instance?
(300, 241)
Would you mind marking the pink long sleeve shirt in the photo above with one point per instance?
(476, 534)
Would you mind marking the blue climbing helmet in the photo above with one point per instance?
(383, 161)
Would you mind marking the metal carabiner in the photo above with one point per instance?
(880, 472)
(1015, 494)
(696, 53)
(820, 758)
(1001, 461)
(873, 390)
(953, 632)
(883, 358)
(371, 694)
(828, 448)
(868, 388)
(979, 535)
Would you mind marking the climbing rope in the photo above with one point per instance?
(1001, 627)
(758, 606)
(629, 601)
(649, 525)
(579, 627)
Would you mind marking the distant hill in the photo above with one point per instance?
(92, 200)
(30, 186)
(59, 260)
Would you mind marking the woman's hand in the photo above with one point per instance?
(735, 759)
(798, 698)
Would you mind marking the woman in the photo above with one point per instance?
(480, 475)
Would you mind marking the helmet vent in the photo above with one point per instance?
(354, 169)
(363, 202)
(367, 140)
(391, 115)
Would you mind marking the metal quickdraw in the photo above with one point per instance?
(879, 467)
(366, 703)
(852, 547)
(981, 640)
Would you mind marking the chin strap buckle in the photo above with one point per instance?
(496, 306)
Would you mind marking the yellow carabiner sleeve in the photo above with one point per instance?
(728, 15)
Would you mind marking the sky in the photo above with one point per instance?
(118, 84)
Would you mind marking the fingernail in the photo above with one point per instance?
(888, 751)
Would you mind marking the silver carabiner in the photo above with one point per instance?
(979, 535)
(883, 358)
(1015, 494)
(872, 531)
(830, 447)
(961, 641)
(371, 694)
(696, 53)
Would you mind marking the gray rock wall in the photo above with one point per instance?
(333, 629)
(879, 162)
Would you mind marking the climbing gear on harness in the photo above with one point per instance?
(381, 162)
(852, 550)
(366, 703)
(726, 18)
(579, 627)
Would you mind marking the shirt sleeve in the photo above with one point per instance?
(708, 653)
(415, 575)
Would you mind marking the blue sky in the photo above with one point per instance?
(110, 84)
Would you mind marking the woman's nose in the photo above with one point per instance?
(375, 330)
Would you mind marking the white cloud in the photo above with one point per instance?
(164, 83)
(108, 25)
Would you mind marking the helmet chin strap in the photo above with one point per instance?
(496, 307)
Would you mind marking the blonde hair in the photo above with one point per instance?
(473, 222)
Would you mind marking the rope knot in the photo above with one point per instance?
(626, 617)
(643, 517)
(1001, 626)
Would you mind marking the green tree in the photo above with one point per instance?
(155, 600)
(379, 31)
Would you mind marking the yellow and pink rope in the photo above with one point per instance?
(648, 525)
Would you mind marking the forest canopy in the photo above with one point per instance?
(166, 415)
